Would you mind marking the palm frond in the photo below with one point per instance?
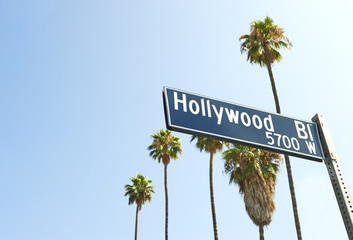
(140, 191)
(165, 146)
(264, 34)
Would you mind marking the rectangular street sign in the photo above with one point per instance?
(199, 115)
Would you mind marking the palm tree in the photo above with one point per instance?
(165, 147)
(139, 192)
(211, 146)
(255, 172)
(262, 47)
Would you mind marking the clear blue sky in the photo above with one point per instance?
(81, 93)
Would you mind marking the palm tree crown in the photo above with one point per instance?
(208, 144)
(243, 161)
(140, 191)
(263, 42)
(165, 146)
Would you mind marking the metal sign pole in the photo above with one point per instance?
(335, 172)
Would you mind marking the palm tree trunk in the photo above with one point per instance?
(261, 232)
(274, 90)
(294, 200)
(288, 165)
(166, 201)
(136, 221)
(212, 198)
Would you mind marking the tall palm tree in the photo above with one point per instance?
(211, 146)
(139, 192)
(163, 148)
(262, 47)
(255, 172)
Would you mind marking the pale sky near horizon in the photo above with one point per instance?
(81, 94)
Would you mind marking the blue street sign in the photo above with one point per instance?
(199, 115)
